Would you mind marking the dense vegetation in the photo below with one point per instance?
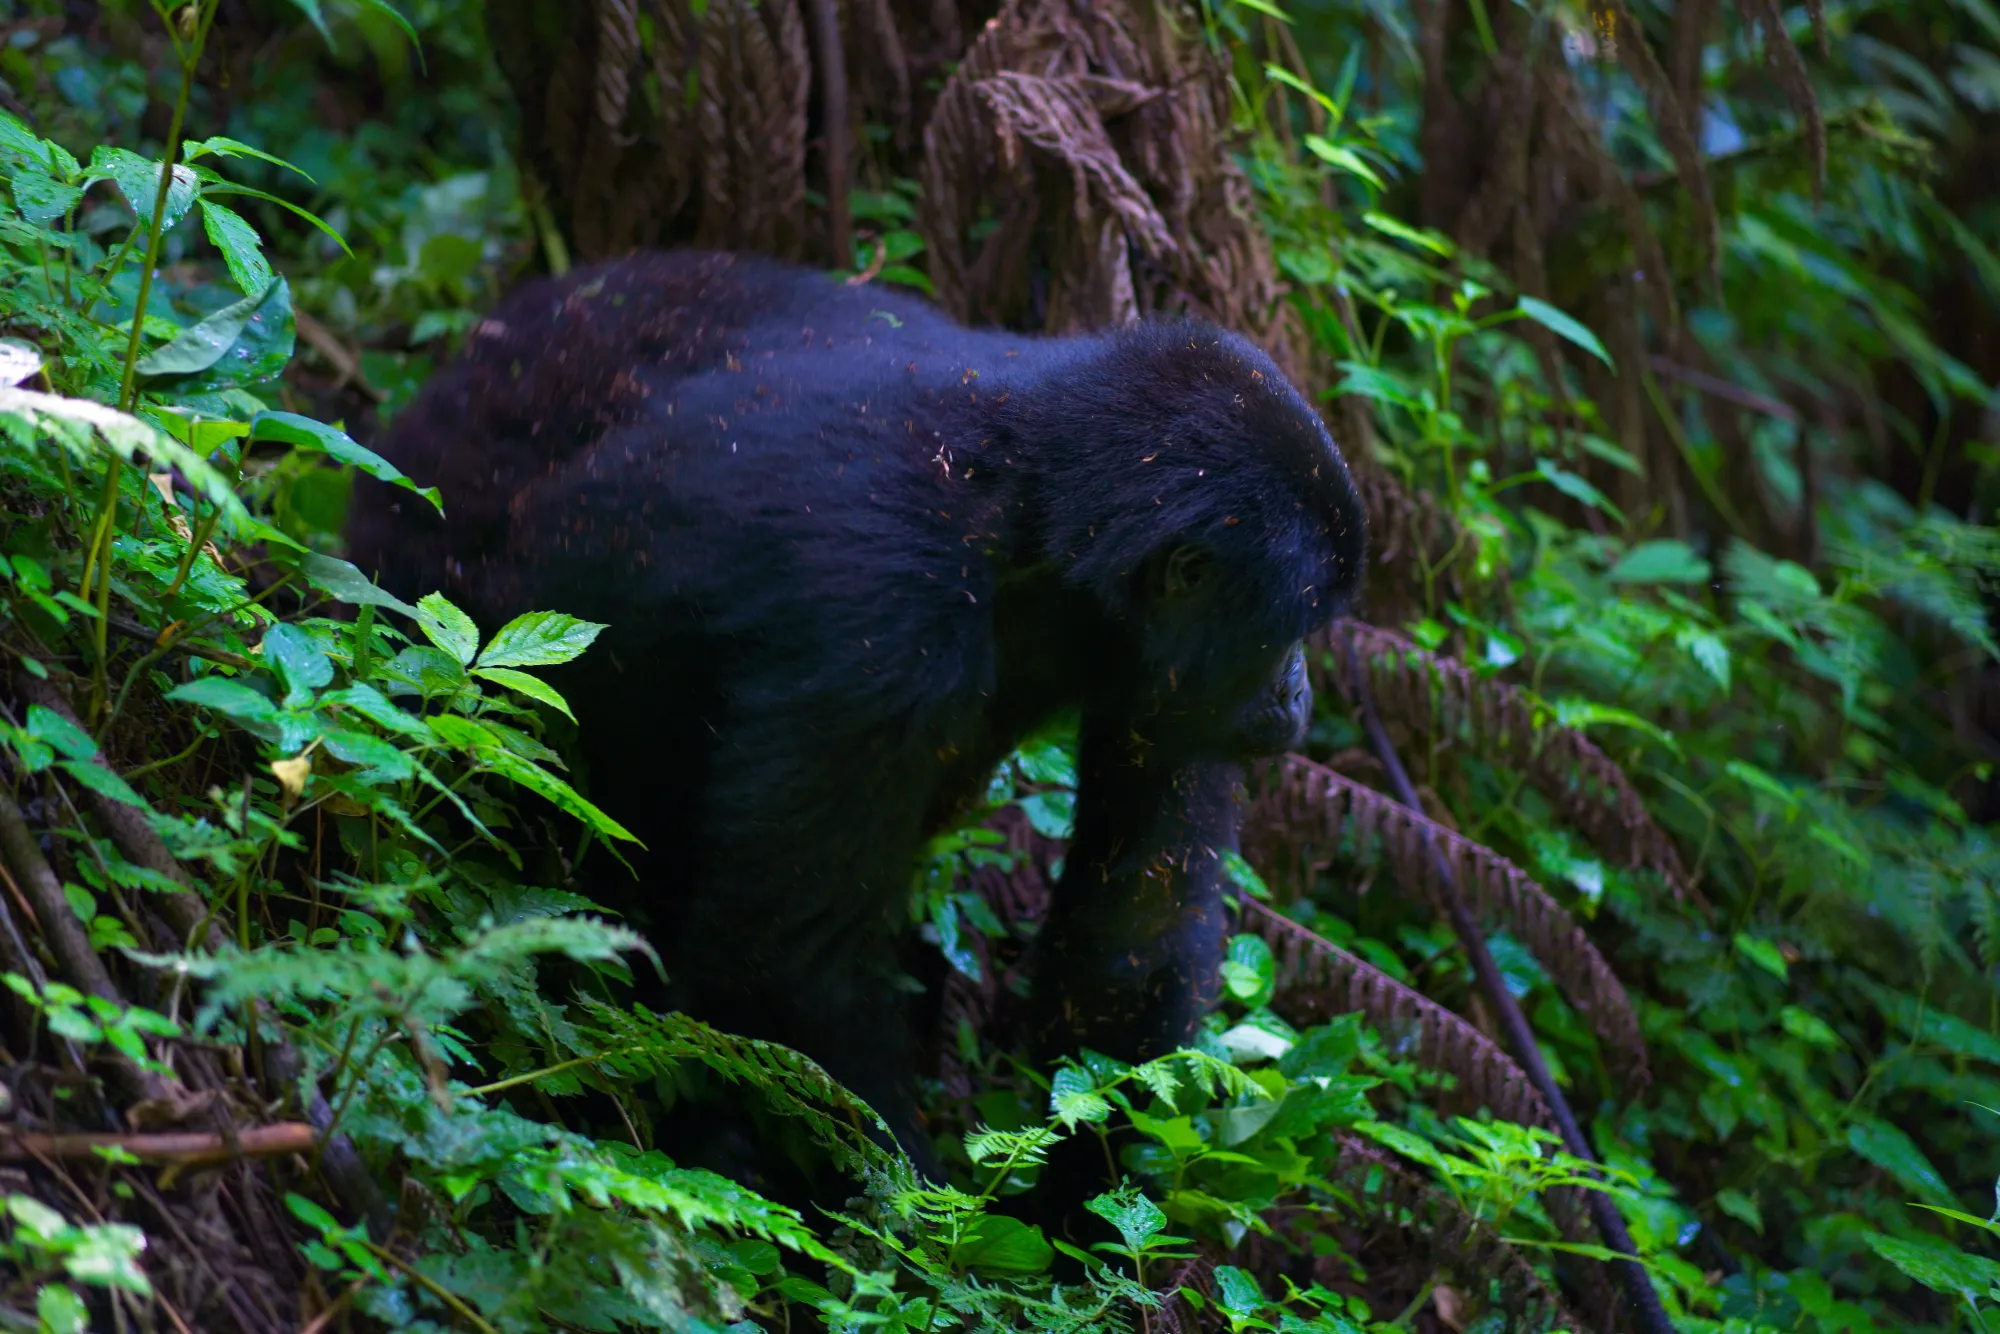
(1669, 340)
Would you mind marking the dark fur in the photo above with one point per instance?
(850, 554)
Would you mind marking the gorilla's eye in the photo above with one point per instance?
(1185, 569)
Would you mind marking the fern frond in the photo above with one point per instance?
(1432, 694)
(1304, 807)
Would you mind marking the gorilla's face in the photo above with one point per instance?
(1223, 677)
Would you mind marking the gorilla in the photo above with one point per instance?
(850, 555)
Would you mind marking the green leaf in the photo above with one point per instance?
(1237, 1292)
(1764, 954)
(1435, 242)
(242, 249)
(539, 639)
(1807, 1027)
(1576, 488)
(1583, 713)
(487, 747)
(1666, 561)
(138, 179)
(1563, 326)
(244, 343)
(532, 686)
(18, 138)
(378, 759)
(202, 345)
(40, 196)
(1938, 1265)
(1741, 1208)
(1250, 970)
(298, 662)
(289, 428)
(1889, 1148)
(448, 627)
(60, 733)
(223, 146)
(102, 781)
(61, 1311)
(997, 1244)
(1073, 1098)
(1343, 157)
(1137, 1218)
(232, 699)
(347, 584)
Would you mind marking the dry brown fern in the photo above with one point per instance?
(1096, 134)
(1437, 697)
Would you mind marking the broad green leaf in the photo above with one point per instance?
(1889, 1148)
(1707, 649)
(1249, 970)
(998, 1244)
(378, 759)
(1583, 713)
(1237, 1292)
(448, 627)
(539, 639)
(299, 663)
(1939, 1265)
(1563, 326)
(304, 433)
(18, 138)
(1665, 561)
(60, 1311)
(201, 345)
(241, 248)
(1764, 954)
(1137, 1218)
(1073, 1098)
(40, 196)
(1740, 1207)
(532, 686)
(102, 781)
(346, 583)
(138, 179)
(60, 733)
(232, 699)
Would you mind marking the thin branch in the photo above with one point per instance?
(189, 1149)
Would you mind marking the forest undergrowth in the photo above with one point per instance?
(1666, 342)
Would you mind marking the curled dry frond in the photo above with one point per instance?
(1429, 694)
(1096, 135)
(1306, 809)
(1318, 980)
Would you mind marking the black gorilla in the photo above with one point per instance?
(850, 555)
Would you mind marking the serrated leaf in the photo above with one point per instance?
(18, 138)
(1137, 1218)
(242, 249)
(539, 639)
(1938, 1265)
(345, 582)
(289, 428)
(532, 686)
(448, 627)
(1563, 326)
(1073, 1098)
(138, 179)
(1889, 1148)
(40, 196)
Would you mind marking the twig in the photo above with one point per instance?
(1726, 390)
(334, 1308)
(833, 127)
(189, 1149)
(1648, 1315)
(321, 340)
(433, 1287)
(134, 630)
(875, 264)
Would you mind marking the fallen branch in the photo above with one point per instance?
(182, 1149)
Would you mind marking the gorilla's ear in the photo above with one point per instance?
(1184, 570)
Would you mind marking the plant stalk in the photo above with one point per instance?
(1644, 1303)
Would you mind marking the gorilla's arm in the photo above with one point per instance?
(1132, 951)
